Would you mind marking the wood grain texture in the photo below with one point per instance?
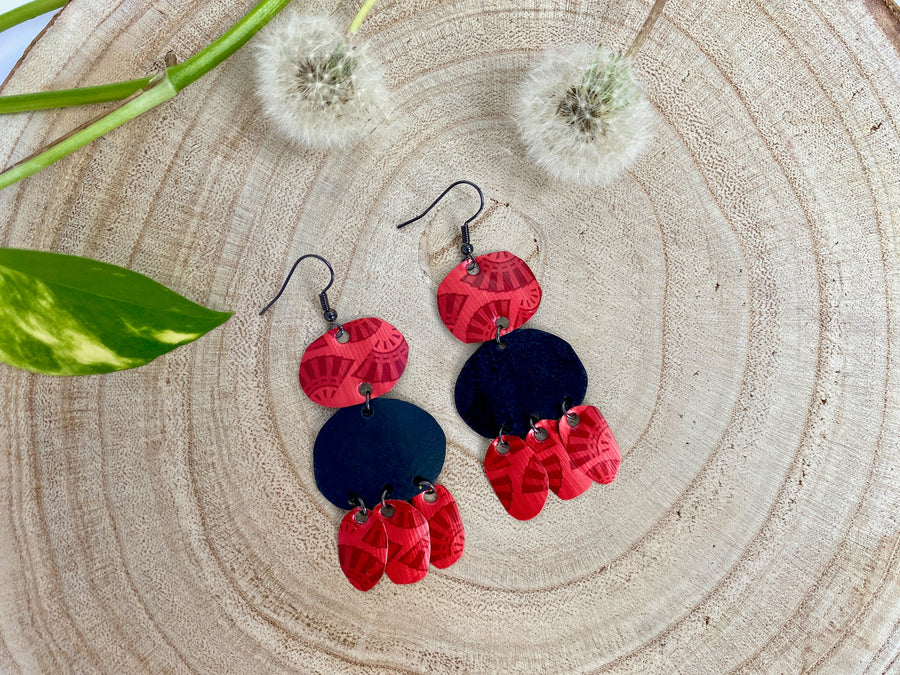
(734, 298)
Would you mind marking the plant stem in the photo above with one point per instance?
(176, 78)
(151, 98)
(181, 76)
(69, 97)
(361, 16)
(29, 10)
(232, 40)
(644, 32)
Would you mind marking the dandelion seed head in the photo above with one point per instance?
(582, 115)
(318, 89)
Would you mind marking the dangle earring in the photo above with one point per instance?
(381, 456)
(523, 388)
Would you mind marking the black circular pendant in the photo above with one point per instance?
(355, 454)
(529, 373)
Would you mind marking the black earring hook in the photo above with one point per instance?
(466, 247)
(329, 314)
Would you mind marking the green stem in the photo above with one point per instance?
(149, 99)
(233, 39)
(176, 78)
(361, 16)
(28, 11)
(69, 97)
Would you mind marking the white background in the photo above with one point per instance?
(14, 41)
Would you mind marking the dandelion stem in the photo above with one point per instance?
(176, 78)
(644, 32)
(29, 10)
(361, 16)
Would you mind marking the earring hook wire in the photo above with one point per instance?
(466, 247)
(329, 314)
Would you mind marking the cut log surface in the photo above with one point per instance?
(734, 298)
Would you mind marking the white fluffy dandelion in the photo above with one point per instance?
(318, 88)
(583, 116)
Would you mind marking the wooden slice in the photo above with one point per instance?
(734, 298)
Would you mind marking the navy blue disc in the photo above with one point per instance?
(354, 454)
(532, 375)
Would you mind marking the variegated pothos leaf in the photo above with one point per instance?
(67, 315)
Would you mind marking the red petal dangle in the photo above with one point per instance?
(590, 443)
(444, 523)
(470, 304)
(566, 481)
(331, 371)
(409, 543)
(517, 477)
(362, 548)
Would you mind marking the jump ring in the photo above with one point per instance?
(429, 486)
(502, 445)
(360, 504)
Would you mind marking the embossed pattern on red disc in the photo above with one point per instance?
(565, 480)
(470, 304)
(362, 550)
(331, 372)
(409, 543)
(517, 477)
(591, 444)
(448, 537)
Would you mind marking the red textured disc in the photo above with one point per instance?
(591, 444)
(565, 480)
(470, 304)
(362, 549)
(448, 537)
(331, 372)
(517, 477)
(409, 543)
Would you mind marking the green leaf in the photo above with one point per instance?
(66, 315)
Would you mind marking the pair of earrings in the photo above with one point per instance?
(522, 388)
